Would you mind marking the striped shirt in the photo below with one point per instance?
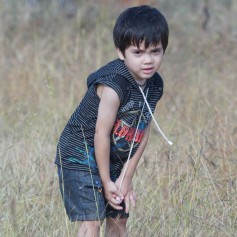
(75, 149)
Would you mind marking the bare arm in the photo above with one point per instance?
(107, 112)
(129, 169)
(136, 157)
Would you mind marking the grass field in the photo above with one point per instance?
(189, 189)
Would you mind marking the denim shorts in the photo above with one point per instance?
(83, 196)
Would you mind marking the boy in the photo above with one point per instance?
(101, 145)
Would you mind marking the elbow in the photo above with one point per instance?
(101, 134)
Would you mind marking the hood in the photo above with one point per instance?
(117, 66)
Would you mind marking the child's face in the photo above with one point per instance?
(142, 62)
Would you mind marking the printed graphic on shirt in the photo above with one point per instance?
(125, 130)
(89, 157)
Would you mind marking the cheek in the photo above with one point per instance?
(158, 61)
(132, 63)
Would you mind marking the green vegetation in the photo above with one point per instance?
(189, 189)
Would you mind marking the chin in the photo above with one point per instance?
(147, 76)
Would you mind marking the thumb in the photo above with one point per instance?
(126, 200)
(119, 195)
(132, 198)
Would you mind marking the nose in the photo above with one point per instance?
(148, 59)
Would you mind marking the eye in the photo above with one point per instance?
(138, 52)
(157, 51)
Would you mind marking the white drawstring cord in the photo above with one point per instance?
(170, 143)
(130, 152)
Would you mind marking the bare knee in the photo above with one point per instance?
(116, 227)
(90, 224)
(89, 228)
(121, 221)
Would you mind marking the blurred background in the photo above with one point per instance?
(47, 50)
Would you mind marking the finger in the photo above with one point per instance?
(115, 200)
(118, 199)
(117, 207)
(134, 195)
(119, 194)
(126, 200)
(132, 198)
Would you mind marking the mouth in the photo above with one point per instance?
(147, 70)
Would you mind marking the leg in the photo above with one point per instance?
(89, 229)
(116, 227)
(83, 200)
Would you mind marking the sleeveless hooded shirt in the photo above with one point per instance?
(75, 149)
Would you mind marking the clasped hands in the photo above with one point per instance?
(114, 196)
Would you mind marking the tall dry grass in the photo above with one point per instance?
(188, 189)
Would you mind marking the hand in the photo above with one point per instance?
(113, 195)
(130, 197)
(127, 191)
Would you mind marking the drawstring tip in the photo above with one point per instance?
(148, 106)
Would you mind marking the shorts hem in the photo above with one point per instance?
(86, 218)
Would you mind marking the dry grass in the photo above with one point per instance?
(188, 189)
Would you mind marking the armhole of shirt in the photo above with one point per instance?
(117, 83)
(159, 84)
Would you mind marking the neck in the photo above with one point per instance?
(142, 84)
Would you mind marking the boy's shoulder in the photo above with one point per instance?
(157, 80)
(112, 72)
(157, 85)
(114, 75)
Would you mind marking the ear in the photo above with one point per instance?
(120, 54)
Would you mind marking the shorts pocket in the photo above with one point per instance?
(82, 195)
(90, 188)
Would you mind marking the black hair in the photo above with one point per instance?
(140, 23)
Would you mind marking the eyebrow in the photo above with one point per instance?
(157, 47)
(135, 48)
